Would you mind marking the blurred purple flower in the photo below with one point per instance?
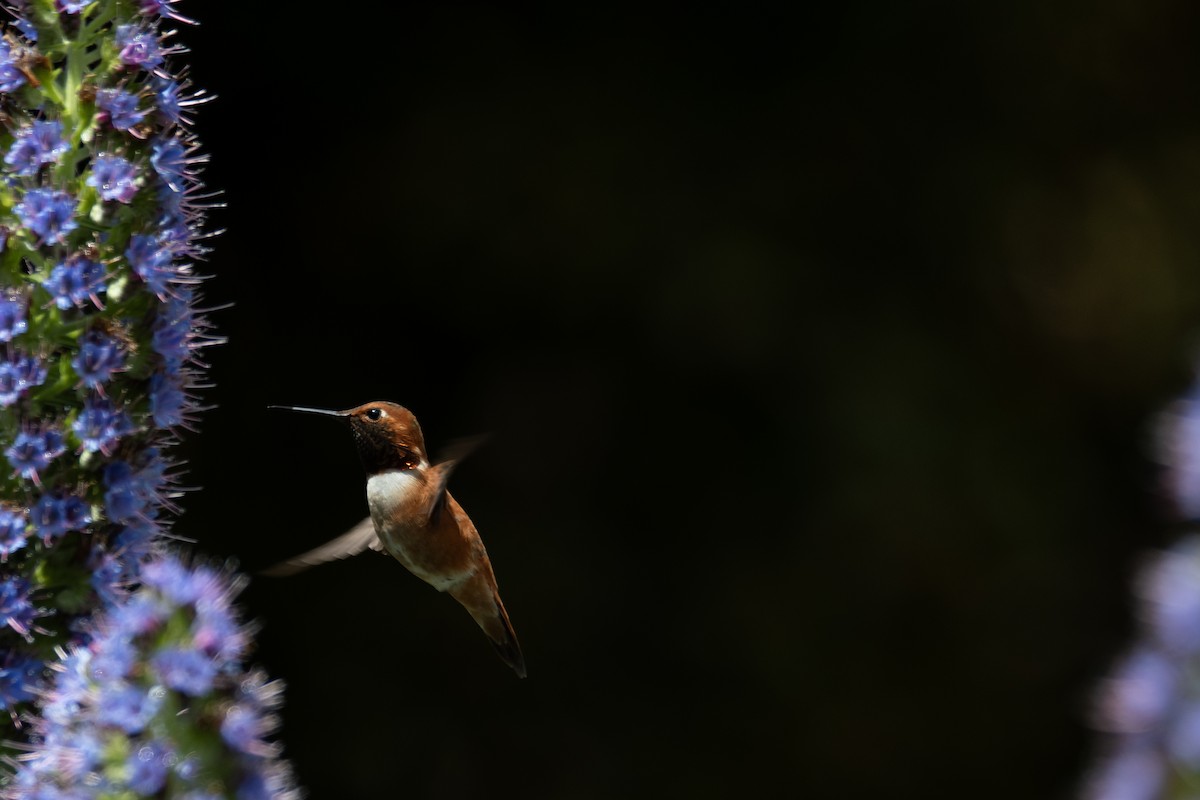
(11, 78)
(138, 47)
(13, 531)
(12, 318)
(19, 374)
(76, 281)
(100, 426)
(48, 213)
(120, 107)
(16, 606)
(39, 144)
(114, 177)
(98, 358)
(32, 452)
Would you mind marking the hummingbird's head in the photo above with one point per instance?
(387, 435)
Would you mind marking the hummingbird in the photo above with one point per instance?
(416, 520)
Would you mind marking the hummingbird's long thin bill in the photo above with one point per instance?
(322, 411)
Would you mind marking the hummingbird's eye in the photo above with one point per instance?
(374, 414)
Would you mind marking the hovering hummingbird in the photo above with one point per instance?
(414, 519)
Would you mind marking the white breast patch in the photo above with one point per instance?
(387, 490)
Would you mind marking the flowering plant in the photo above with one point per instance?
(102, 218)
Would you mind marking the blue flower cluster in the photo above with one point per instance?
(174, 650)
(1149, 705)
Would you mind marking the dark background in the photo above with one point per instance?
(818, 351)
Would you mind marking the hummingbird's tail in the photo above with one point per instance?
(509, 649)
(479, 596)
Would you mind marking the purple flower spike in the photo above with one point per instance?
(121, 108)
(48, 213)
(12, 318)
(114, 177)
(138, 48)
(41, 143)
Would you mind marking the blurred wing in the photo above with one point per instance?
(351, 543)
(439, 474)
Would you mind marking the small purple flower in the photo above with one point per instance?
(1179, 448)
(48, 213)
(243, 729)
(138, 47)
(127, 707)
(169, 100)
(1183, 740)
(53, 516)
(98, 358)
(16, 608)
(174, 331)
(76, 281)
(217, 633)
(39, 144)
(114, 177)
(19, 677)
(148, 769)
(142, 614)
(121, 108)
(169, 158)
(1131, 773)
(167, 401)
(163, 8)
(70, 6)
(130, 494)
(26, 27)
(31, 452)
(122, 502)
(113, 658)
(1170, 588)
(111, 576)
(99, 426)
(175, 581)
(13, 533)
(18, 375)
(11, 78)
(186, 670)
(151, 260)
(12, 318)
